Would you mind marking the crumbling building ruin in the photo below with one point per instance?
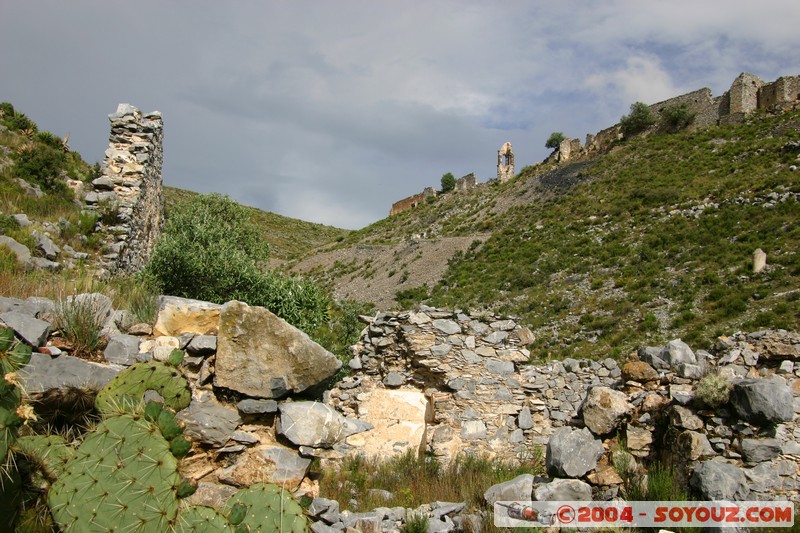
(505, 163)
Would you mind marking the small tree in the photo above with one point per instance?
(448, 182)
(554, 141)
(639, 119)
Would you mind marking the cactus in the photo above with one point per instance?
(122, 478)
(48, 453)
(268, 508)
(199, 519)
(13, 356)
(129, 386)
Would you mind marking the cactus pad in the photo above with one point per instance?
(49, 452)
(268, 508)
(122, 478)
(130, 385)
(199, 519)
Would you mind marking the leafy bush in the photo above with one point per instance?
(448, 182)
(211, 251)
(639, 119)
(17, 121)
(41, 164)
(554, 140)
(713, 390)
(677, 118)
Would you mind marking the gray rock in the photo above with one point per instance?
(716, 480)
(563, 490)
(37, 306)
(440, 350)
(103, 183)
(761, 401)
(122, 350)
(202, 345)
(654, 356)
(394, 379)
(518, 489)
(502, 368)
(311, 424)
(677, 352)
(19, 250)
(40, 263)
(572, 453)
(209, 422)
(447, 326)
(322, 527)
(31, 330)
(257, 407)
(263, 356)
(11, 304)
(495, 337)
(525, 419)
(684, 418)
(473, 430)
(46, 246)
(758, 450)
(22, 220)
(320, 506)
(44, 373)
(213, 495)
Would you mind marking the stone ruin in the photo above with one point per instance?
(465, 183)
(128, 196)
(505, 163)
(412, 201)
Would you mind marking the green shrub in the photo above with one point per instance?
(639, 119)
(6, 110)
(41, 164)
(713, 390)
(50, 139)
(415, 523)
(19, 122)
(677, 118)
(554, 141)
(211, 251)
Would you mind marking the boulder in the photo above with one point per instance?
(716, 480)
(572, 452)
(518, 489)
(563, 490)
(604, 409)
(31, 330)
(263, 356)
(677, 352)
(653, 355)
(761, 401)
(20, 250)
(177, 316)
(311, 424)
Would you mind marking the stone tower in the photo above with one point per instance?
(505, 163)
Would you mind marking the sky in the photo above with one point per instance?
(331, 111)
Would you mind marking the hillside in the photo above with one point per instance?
(651, 241)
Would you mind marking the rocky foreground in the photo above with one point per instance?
(444, 383)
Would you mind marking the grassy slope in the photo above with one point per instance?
(610, 256)
(287, 237)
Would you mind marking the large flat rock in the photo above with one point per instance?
(177, 316)
(263, 356)
(44, 373)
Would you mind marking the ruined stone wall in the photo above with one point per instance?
(467, 182)
(783, 90)
(412, 201)
(128, 196)
(505, 162)
(744, 93)
(700, 102)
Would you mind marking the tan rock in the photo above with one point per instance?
(398, 417)
(695, 445)
(604, 409)
(638, 439)
(419, 342)
(604, 474)
(177, 316)
(639, 371)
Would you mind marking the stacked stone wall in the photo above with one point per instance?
(700, 102)
(412, 201)
(128, 196)
(465, 183)
(783, 90)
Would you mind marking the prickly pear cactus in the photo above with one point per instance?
(49, 453)
(268, 508)
(130, 385)
(122, 478)
(13, 356)
(199, 519)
